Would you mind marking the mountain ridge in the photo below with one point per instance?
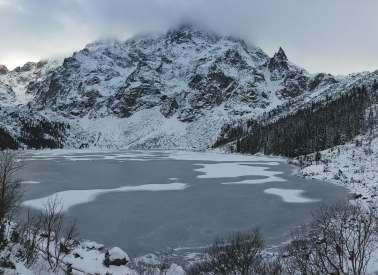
(173, 90)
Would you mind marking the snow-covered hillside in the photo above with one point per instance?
(353, 165)
(172, 90)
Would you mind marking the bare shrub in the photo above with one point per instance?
(29, 238)
(270, 267)
(340, 240)
(240, 253)
(10, 192)
(58, 236)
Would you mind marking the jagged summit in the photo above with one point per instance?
(280, 55)
(187, 27)
(278, 64)
(188, 32)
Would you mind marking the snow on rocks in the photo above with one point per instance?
(90, 257)
(86, 257)
(116, 256)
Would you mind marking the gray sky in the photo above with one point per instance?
(337, 36)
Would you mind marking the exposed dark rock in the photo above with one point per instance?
(6, 263)
(278, 64)
(43, 135)
(128, 100)
(169, 106)
(321, 78)
(6, 92)
(93, 81)
(7, 141)
(357, 196)
(3, 69)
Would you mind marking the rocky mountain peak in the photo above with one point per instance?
(6, 92)
(280, 55)
(278, 64)
(186, 32)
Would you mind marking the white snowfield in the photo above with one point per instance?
(72, 198)
(290, 195)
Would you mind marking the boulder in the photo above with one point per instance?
(116, 256)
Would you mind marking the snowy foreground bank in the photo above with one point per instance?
(86, 257)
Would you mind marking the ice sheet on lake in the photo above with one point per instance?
(71, 198)
(290, 195)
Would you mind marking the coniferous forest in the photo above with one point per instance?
(306, 131)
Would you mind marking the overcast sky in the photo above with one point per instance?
(337, 36)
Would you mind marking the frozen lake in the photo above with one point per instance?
(151, 201)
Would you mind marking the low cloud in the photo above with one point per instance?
(337, 36)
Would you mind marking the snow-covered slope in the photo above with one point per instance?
(171, 90)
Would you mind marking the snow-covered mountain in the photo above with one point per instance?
(173, 90)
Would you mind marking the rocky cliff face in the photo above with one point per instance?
(183, 73)
(173, 90)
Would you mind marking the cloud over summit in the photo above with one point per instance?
(336, 36)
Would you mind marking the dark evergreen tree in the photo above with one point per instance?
(320, 126)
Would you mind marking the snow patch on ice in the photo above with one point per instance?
(70, 198)
(237, 169)
(30, 182)
(257, 181)
(290, 195)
